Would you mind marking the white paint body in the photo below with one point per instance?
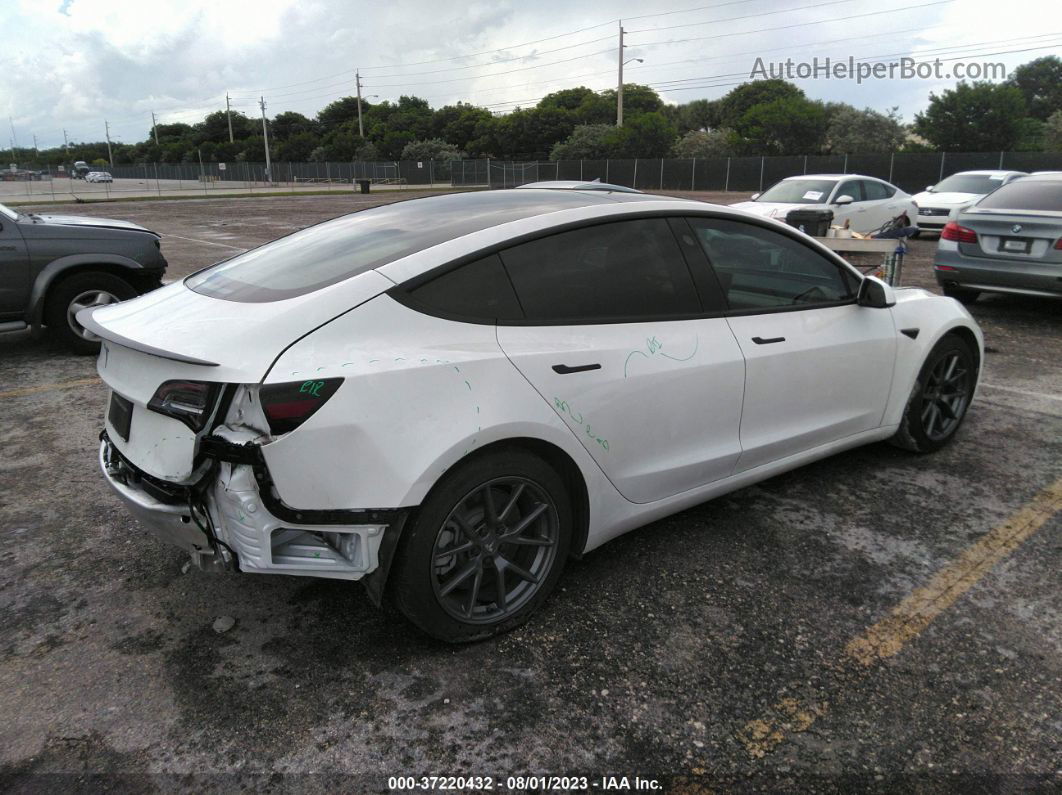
(862, 216)
(679, 411)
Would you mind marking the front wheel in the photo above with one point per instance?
(485, 549)
(83, 291)
(940, 398)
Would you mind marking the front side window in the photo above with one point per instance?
(759, 268)
(614, 272)
(853, 188)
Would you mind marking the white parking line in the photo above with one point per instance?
(206, 242)
(1025, 392)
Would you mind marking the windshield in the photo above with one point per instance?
(799, 191)
(1026, 194)
(8, 212)
(969, 183)
(339, 249)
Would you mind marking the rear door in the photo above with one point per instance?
(818, 366)
(14, 269)
(617, 339)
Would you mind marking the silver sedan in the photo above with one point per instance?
(1010, 241)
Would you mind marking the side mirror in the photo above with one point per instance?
(875, 293)
(754, 196)
(930, 188)
(845, 199)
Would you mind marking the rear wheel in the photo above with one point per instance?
(961, 294)
(83, 291)
(485, 549)
(940, 398)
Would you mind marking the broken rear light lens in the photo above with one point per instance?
(289, 405)
(191, 402)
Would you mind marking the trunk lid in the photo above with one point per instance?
(174, 333)
(1013, 236)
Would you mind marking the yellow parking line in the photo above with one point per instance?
(910, 618)
(34, 390)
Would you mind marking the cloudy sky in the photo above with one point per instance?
(71, 64)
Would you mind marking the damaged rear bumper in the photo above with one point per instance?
(231, 519)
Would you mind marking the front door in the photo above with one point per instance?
(818, 366)
(14, 268)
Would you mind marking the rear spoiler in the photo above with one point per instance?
(84, 317)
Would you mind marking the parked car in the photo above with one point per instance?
(867, 203)
(937, 203)
(80, 169)
(1009, 241)
(53, 266)
(98, 176)
(452, 395)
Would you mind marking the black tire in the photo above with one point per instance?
(446, 576)
(940, 397)
(76, 291)
(961, 294)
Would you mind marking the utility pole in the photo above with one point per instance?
(36, 150)
(619, 88)
(265, 135)
(228, 115)
(361, 127)
(66, 143)
(107, 130)
(14, 139)
(154, 128)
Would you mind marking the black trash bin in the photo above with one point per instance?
(364, 183)
(814, 222)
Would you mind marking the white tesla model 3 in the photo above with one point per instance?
(452, 395)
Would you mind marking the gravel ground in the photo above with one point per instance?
(709, 651)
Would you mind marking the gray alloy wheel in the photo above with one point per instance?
(945, 396)
(495, 550)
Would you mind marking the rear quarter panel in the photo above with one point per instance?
(420, 394)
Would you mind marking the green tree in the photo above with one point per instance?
(733, 107)
(339, 113)
(568, 98)
(587, 142)
(285, 125)
(973, 117)
(788, 125)
(215, 127)
(643, 135)
(1053, 132)
(456, 124)
(298, 147)
(431, 149)
(1040, 82)
(700, 114)
(699, 143)
(859, 131)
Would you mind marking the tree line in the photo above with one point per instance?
(765, 117)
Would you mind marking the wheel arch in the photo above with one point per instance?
(560, 461)
(65, 267)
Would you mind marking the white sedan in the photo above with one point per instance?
(867, 203)
(455, 394)
(937, 204)
(98, 176)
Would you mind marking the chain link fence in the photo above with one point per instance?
(911, 171)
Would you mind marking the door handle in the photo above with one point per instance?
(563, 369)
(767, 340)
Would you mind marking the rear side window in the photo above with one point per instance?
(623, 271)
(1026, 194)
(477, 290)
(762, 269)
(875, 191)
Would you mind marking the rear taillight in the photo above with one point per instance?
(960, 234)
(289, 405)
(1058, 244)
(191, 402)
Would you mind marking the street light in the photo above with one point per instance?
(619, 87)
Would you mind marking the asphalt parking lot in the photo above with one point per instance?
(876, 621)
